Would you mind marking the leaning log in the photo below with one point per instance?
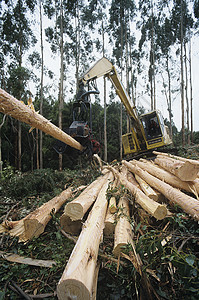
(187, 203)
(155, 209)
(34, 224)
(123, 231)
(78, 277)
(146, 188)
(186, 171)
(77, 208)
(18, 110)
(188, 186)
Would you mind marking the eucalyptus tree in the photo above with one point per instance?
(182, 22)
(17, 37)
(121, 14)
(95, 19)
(148, 24)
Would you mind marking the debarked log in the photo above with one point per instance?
(187, 203)
(34, 224)
(123, 231)
(18, 110)
(79, 206)
(186, 171)
(155, 209)
(155, 170)
(78, 277)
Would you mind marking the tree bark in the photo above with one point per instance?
(78, 277)
(11, 106)
(187, 203)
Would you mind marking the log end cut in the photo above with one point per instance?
(33, 228)
(72, 289)
(69, 226)
(74, 211)
(160, 212)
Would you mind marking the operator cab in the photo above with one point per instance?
(154, 129)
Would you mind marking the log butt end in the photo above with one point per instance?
(72, 289)
(74, 211)
(161, 212)
(69, 226)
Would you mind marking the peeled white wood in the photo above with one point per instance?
(123, 231)
(187, 203)
(177, 157)
(18, 110)
(69, 226)
(78, 277)
(153, 208)
(12, 257)
(77, 208)
(109, 224)
(146, 188)
(34, 224)
(186, 171)
(155, 170)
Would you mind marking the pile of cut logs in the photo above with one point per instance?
(145, 183)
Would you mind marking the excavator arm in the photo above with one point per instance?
(104, 67)
(148, 131)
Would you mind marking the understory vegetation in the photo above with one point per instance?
(168, 249)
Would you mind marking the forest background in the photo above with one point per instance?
(46, 45)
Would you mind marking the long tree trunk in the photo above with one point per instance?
(167, 177)
(41, 87)
(61, 90)
(105, 101)
(34, 224)
(153, 208)
(186, 93)
(121, 59)
(191, 91)
(123, 231)
(1, 162)
(79, 206)
(186, 171)
(11, 106)
(182, 77)
(169, 98)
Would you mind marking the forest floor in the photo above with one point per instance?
(172, 270)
